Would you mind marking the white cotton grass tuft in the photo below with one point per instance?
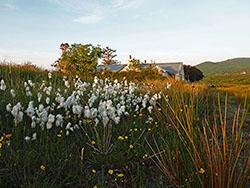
(13, 93)
(2, 85)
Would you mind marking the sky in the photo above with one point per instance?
(188, 31)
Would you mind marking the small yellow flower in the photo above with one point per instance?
(93, 142)
(156, 123)
(1, 145)
(201, 171)
(216, 174)
(186, 105)
(1, 138)
(159, 109)
(95, 186)
(42, 167)
(61, 131)
(94, 171)
(59, 135)
(135, 115)
(69, 116)
(110, 171)
(120, 138)
(131, 146)
(135, 129)
(120, 175)
(130, 130)
(8, 136)
(181, 110)
(140, 114)
(126, 137)
(149, 129)
(146, 155)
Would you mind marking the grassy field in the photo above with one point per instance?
(60, 131)
(235, 83)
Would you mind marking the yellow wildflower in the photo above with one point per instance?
(1, 145)
(93, 142)
(42, 167)
(95, 186)
(135, 129)
(120, 175)
(1, 138)
(130, 130)
(140, 114)
(110, 171)
(135, 115)
(201, 170)
(126, 137)
(146, 155)
(131, 146)
(120, 138)
(149, 129)
(59, 135)
(94, 171)
(8, 136)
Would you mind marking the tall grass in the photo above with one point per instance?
(201, 148)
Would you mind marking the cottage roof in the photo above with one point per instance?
(172, 68)
(112, 68)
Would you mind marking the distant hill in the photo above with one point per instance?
(229, 66)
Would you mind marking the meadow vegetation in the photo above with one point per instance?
(116, 130)
(237, 84)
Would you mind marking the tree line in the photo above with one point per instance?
(83, 58)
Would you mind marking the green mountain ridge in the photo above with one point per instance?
(229, 66)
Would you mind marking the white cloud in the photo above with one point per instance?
(131, 4)
(90, 19)
(119, 3)
(9, 6)
(94, 11)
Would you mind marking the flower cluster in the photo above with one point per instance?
(102, 103)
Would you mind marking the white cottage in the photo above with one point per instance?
(166, 69)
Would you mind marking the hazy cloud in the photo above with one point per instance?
(8, 4)
(131, 4)
(94, 11)
(91, 19)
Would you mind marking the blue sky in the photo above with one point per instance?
(191, 31)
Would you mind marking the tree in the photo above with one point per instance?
(108, 56)
(78, 58)
(192, 73)
(134, 64)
